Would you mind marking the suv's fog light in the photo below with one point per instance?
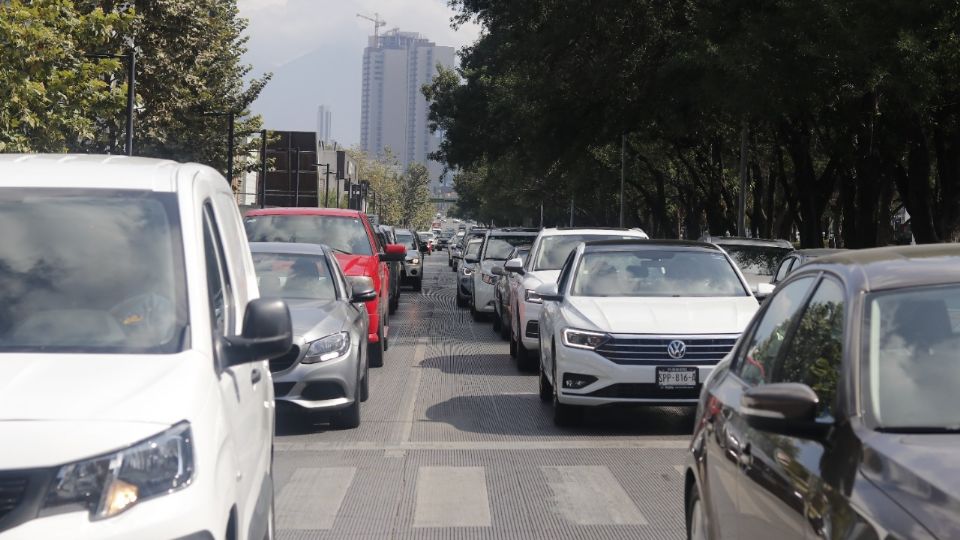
(576, 381)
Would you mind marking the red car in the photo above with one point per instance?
(349, 234)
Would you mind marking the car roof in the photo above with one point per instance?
(288, 248)
(894, 267)
(742, 241)
(305, 211)
(513, 233)
(94, 172)
(623, 245)
(558, 231)
(817, 252)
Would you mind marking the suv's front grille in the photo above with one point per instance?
(284, 362)
(649, 351)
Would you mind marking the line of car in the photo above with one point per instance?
(825, 410)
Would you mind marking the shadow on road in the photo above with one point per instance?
(292, 423)
(476, 364)
(525, 415)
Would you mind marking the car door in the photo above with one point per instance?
(241, 384)
(725, 441)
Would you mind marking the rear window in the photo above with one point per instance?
(343, 234)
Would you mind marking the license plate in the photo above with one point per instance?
(671, 378)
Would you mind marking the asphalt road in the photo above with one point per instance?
(454, 443)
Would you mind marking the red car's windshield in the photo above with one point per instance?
(342, 233)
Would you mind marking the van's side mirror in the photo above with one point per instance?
(362, 289)
(267, 333)
(514, 266)
(785, 408)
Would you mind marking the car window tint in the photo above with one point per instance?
(815, 351)
(760, 353)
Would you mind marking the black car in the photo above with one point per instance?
(757, 258)
(836, 414)
(793, 261)
(387, 235)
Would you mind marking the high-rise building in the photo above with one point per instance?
(394, 112)
(324, 123)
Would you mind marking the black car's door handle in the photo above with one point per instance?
(255, 376)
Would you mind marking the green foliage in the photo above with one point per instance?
(399, 199)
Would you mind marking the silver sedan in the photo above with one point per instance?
(326, 371)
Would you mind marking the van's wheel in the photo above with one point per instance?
(375, 354)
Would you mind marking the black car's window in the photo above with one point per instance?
(294, 276)
(784, 269)
(497, 248)
(341, 233)
(91, 271)
(756, 260)
(760, 352)
(815, 351)
(911, 341)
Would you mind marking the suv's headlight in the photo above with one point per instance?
(414, 260)
(531, 296)
(488, 279)
(327, 348)
(109, 484)
(583, 339)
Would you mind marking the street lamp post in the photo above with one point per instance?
(131, 58)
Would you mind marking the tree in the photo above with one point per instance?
(416, 211)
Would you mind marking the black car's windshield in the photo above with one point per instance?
(757, 260)
(91, 271)
(913, 367)
(656, 273)
(498, 248)
(407, 240)
(554, 250)
(294, 276)
(341, 233)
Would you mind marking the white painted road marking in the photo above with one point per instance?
(452, 497)
(591, 496)
(312, 498)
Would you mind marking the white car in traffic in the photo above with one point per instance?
(136, 400)
(638, 322)
(550, 249)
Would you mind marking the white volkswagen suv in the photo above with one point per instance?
(638, 322)
(136, 400)
(550, 249)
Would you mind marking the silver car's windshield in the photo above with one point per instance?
(91, 271)
(914, 369)
(757, 260)
(294, 276)
(656, 273)
(499, 247)
(341, 233)
(554, 250)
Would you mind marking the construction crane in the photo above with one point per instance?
(377, 23)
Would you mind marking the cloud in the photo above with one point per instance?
(315, 49)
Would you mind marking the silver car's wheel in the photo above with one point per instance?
(697, 524)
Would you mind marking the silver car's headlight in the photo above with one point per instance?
(413, 261)
(583, 339)
(327, 348)
(488, 279)
(109, 484)
(531, 296)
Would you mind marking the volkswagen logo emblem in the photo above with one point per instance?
(676, 349)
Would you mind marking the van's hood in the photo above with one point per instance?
(354, 265)
(62, 407)
(653, 315)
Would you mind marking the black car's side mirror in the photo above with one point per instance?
(785, 408)
(362, 289)
(267, 333)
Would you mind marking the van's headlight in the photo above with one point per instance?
(109, 484)
(583, 339)
(327, 348)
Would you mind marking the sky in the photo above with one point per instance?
(314, 48)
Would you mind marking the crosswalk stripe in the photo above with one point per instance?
(591, 496)
(312, 498)
(452, 497)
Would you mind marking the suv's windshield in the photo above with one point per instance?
(914, 369)
(91, 271)
(406, 239)
(656, 273)
(757, 260)
(294, 276)
(343, 234)
(499, 247)
(554, 250)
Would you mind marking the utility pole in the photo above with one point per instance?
(623, 168)
(131, 58)
(742, 202)
(262, 187)
(571, 210)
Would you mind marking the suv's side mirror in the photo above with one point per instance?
(362, 289)
(394, 253)
(514, 266)
(267, 333)
(549, 292)
(784, 408)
